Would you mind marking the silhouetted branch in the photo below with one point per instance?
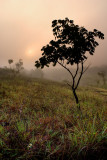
(81, 73)
(66, 69)
(76, 71)
(86, 68)
(69, 85)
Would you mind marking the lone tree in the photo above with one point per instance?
(19, 66)
(103, 76)
(70, 46)
(10, 61)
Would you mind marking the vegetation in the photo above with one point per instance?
(19, 66)
(103, 76)
(12, 72)
(69, 48)
(10, 61)
(39, 120)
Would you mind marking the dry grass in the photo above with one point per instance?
(39, 120)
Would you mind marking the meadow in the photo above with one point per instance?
(39, 120)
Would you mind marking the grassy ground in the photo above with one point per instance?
(39, 120)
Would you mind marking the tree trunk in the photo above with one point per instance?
(76, 99)
(77, 102)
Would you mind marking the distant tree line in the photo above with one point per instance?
(18, 70)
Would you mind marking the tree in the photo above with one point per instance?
(69, 47)
(10, 61)
(103, 76)
(19, 66)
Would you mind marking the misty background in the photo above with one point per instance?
(25, 27)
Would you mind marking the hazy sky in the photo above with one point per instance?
(25, 26)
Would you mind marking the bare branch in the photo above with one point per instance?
(81, 73)
(69, 85)
(76, 71)
(86, 68)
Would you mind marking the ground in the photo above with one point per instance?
(40, 120)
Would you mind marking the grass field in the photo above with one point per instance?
(39, 120)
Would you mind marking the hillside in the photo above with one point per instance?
(90, 77)
(39, 120)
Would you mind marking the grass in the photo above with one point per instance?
(39, 120)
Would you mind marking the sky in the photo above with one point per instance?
(25, 27)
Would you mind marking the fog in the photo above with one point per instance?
(25, 27)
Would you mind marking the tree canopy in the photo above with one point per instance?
(10, 61)
(71, 44)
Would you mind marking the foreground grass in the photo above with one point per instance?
(39, 120)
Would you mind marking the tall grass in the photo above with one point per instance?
(39, 120)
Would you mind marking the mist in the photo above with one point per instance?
(25, 27)
(54, 111)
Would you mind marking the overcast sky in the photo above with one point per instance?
(25, 26)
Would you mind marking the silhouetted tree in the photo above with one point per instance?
(69, 47)
(10, 61)
(103, 76)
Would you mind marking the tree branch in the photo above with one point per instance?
(81, 73)
(76, 70)
(66, 69)
(86, 68)
(69, 85)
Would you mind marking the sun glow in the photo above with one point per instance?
(30, 52)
